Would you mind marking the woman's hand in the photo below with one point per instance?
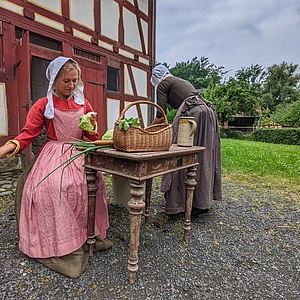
(8, 148)
(93, 120)
(157, 120)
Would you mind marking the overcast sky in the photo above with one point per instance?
(230, 33)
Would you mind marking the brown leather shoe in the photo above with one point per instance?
(102, 244)
(198, 211)
(99, 245)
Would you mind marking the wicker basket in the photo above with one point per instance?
(156, 137)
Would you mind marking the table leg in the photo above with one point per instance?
(91, 177)
(190, 184)
(136, 206)
(147, 199)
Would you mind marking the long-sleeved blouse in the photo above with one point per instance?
(36, 121)
(173, 90)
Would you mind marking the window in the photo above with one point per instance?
(113, 79)
(40, 40)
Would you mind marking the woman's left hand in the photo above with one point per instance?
(93, 120)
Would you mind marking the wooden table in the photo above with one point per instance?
(140, 167)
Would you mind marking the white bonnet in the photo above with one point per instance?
(158, 74)
(51, 73)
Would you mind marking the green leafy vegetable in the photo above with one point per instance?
(85, 122)
(108, 135)
(125, 123)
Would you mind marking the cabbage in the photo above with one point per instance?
(85, 122)
(108, 135)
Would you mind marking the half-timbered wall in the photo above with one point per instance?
(113, 41)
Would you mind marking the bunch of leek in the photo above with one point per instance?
(84, 147)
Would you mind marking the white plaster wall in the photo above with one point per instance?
(48, 22)
(53, 5)
(110, 19)
(131, 32)
(11, 7)
(113, 112)
(143, 6)
(127, 83)
(145, 33)
(140, 78)
(82, 12)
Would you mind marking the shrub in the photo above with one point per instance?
(289, 136)
(170, 113)
(227, 133)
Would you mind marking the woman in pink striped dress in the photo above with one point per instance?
(52, 216)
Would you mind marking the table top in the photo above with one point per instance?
(174, 150)
(143, 165)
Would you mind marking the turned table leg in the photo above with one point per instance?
(147, 199)
(190, 187)
(91, 177)
(136, 206)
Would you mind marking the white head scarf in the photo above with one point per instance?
(158, 74)
(51, 73)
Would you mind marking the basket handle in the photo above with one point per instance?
(122, 114)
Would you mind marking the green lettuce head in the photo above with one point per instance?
(85, 122)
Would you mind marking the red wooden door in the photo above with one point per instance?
(23, 78)
(8, 70)
(92, 76)
(24, 96)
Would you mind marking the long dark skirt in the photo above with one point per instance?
(208, 177)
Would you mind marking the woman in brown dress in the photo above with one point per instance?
(181, 95)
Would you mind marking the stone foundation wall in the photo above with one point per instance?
(10, 164)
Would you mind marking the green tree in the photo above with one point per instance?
(250, 82)
(281, 85)
(253, 77)
(198, 72)
(219, 95)
(288, 114)
(239, 95)
(251, 90)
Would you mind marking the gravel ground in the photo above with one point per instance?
(246, 247)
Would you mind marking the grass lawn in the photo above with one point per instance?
(264, 165)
